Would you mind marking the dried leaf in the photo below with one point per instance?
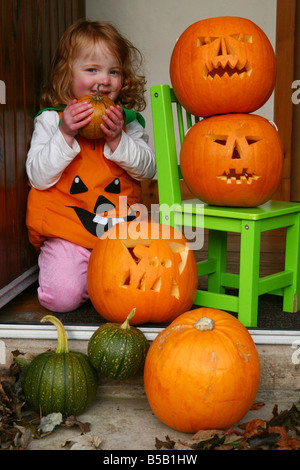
(285, 442)
(73, 421)
(6, 394)
(204, 435)
(233, 439)
(180, 446)
(22, 360)
(22, 438)
(255, 427)
(266, 441)
(289, 417)
(49, 422)
(202, 440)
(26, 438)
(257, 406)
(164, 445)
(84, 442)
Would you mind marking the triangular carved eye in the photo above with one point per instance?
(242, 38)
(78, 186)
(218, 139)
(205, 40)
(252, 140)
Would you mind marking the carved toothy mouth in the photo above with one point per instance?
(228, 70)
(96, 224)
(238, 178)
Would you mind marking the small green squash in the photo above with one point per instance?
(118, 351)
(60, 381)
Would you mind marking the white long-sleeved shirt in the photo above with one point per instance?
(49, 154)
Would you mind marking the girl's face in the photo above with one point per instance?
(98, 66)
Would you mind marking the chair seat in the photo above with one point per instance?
(269, 209)
(192, 212)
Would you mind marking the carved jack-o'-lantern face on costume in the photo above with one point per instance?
(146, 266)
(222, 65)
(232, 160)
(101, 215)
(91, 195)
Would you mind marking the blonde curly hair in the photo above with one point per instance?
(85, 34)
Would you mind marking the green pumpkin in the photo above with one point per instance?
(118, 351)
(60, 381)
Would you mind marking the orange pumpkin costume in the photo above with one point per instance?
(85, 201)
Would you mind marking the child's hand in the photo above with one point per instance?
(75, 116)
(112, 130)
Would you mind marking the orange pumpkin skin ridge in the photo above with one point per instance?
(100, 104)
(202, 379)
(246, 146)
(159, 284)
(222, 44)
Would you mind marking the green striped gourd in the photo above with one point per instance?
(118, 351)
(60, 381)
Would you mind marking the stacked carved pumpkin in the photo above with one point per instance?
(202, 371)
(222, 69)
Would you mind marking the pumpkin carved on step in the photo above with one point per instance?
(141, 265)
(223, 65)
(232, 160)
(202, 371)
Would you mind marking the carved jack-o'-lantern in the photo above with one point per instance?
(141, 265)
(223, 65)
(232, 160)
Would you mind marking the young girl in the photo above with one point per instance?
(80, 187)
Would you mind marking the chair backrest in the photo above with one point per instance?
(170, 124)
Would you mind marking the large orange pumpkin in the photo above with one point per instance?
(223, 65)
(100, 104)
(232, 160)
(141, 265)
(202, 371)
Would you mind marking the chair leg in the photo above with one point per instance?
(217, 250)
(291, 294)
(249, 273)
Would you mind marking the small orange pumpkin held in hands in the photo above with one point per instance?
(202, 371)
(100, 104)
(223, 65)
(232, 160)
(141, 265)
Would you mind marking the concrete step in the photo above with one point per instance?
(122, 418)
(121, 415)
(279, 351)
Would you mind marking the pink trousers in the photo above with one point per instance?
(62, 275)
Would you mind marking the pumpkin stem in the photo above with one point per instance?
(100, 97)
(98, 92)
(204, 324)
(126, 325)
(62, 340)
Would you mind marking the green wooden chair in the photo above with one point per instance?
(169, 119)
